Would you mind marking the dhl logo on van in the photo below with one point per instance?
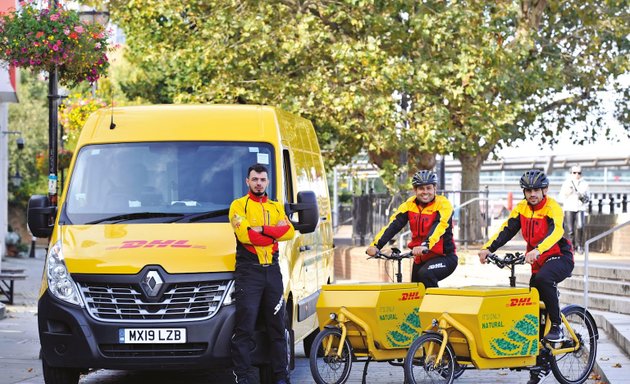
(522, 302)
(156, 244)
(406, 296)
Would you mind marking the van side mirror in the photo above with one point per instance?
(307, 210)
(39, 214)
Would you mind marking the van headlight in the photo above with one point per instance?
(60, 284)
(229, 296)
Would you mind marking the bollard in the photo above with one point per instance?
(32, 250)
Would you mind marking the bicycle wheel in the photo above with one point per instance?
(575, 367)
(327, 366)
(420, 363)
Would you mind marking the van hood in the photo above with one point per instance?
(127, 248)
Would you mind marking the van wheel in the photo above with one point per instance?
(58, 375)
(289, 336)
(308, 342)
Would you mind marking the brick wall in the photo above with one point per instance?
(351, 263)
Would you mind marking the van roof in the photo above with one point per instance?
(182, 123)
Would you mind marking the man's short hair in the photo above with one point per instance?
(257, 168)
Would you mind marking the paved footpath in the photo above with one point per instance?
(19, 350)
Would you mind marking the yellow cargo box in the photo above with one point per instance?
(504, 321)
(389, 309)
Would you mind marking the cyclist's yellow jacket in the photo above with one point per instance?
(258, 211)
(541, 227)
(431, 225)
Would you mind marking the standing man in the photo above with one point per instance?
(575, 194)
(539, 218)
(430, 219)
(259, 224)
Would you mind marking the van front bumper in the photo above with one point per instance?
(70, 338)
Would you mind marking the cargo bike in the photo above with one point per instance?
(365, 322)
(497, 327)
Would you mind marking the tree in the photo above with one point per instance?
(474, 75)
(30, 117)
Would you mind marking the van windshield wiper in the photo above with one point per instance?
(191, 218)
(134, 216)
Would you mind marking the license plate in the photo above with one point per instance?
(151, 335)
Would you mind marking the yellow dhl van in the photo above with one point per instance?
(139, 271)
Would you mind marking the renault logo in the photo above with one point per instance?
(151, 283)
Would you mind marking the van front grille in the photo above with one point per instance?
(153, 350)
(180, 301)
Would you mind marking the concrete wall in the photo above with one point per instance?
(618, 242)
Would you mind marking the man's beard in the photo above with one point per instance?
(256, 193)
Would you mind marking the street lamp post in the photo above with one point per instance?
(53, 123)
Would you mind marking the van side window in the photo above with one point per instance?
(288, 178)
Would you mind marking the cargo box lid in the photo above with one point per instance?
(480, 291)
(370, 286)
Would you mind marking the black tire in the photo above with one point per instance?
(326, 366)
(308, 342)
(60, 375)
(420, 361)
(575, 367)
(459, 370)
(289, 336)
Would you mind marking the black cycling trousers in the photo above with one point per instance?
(430, 272)
(555, 270)
(258, 288)
(574, 227)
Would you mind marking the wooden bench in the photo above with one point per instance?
(7, 282)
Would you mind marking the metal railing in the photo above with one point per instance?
(587, 244)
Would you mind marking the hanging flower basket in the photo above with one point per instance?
(39, 39)
(64, 157)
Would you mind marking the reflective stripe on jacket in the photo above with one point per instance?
(541, 227)
(430, 225)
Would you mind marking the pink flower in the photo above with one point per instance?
(66, 31)
(54, 17)
(78, 29)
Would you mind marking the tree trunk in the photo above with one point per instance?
(470, 215)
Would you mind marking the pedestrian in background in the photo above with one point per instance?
(575, 196)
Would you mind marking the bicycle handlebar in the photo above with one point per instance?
(509, 260)
(395, 254)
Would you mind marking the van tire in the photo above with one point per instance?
(59, 375)
(308, 342)
(289, 334)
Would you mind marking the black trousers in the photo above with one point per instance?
(430, 272)
(574, 227)
(258, 288)
(555, 270)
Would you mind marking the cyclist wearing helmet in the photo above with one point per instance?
(429, 217)
(539, 218)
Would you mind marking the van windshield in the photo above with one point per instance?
(161, 182)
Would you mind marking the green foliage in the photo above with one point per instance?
(30, 117)
(478, 74)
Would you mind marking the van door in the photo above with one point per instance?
(304, 269)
